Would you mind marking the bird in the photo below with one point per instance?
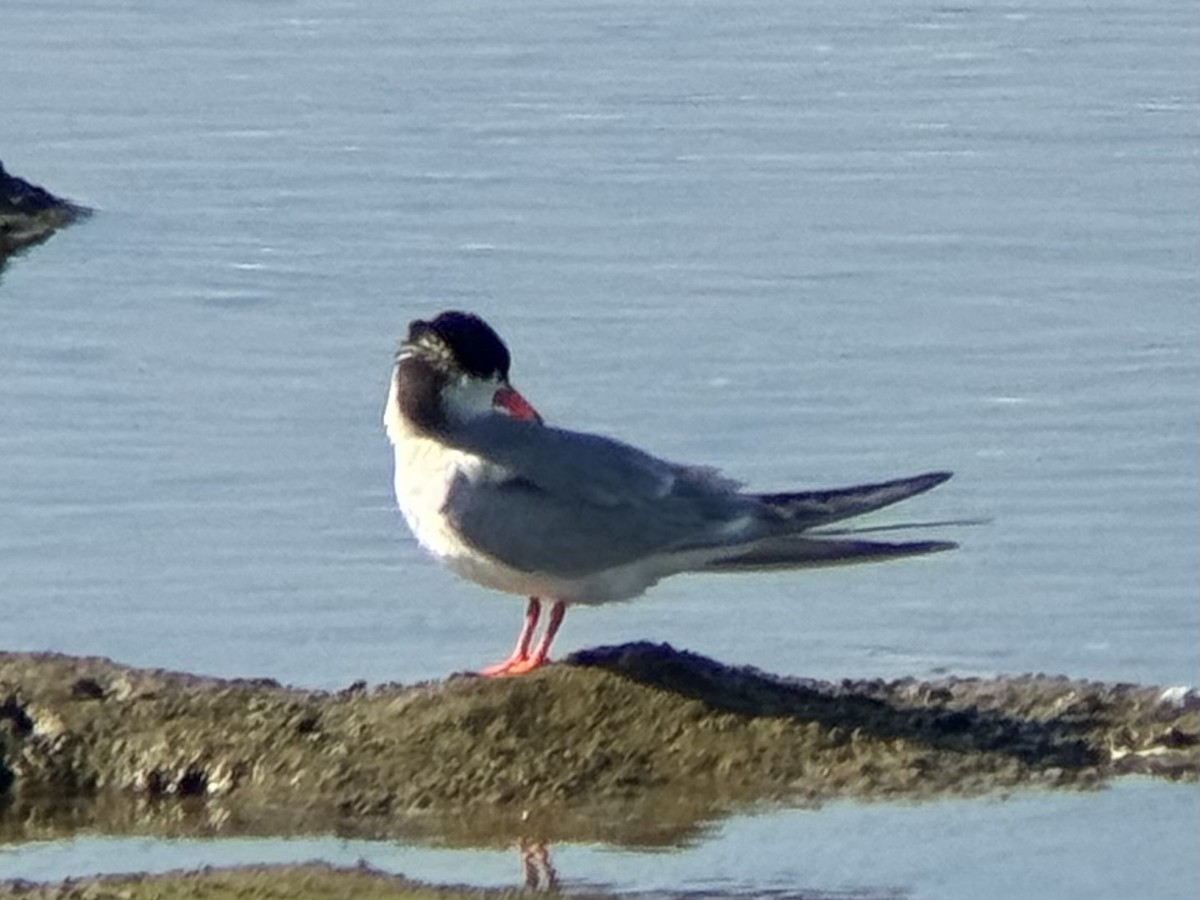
(566, 517)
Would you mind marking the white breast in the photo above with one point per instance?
(425, 471)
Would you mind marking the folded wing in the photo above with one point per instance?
(809, 553)
(570, 504)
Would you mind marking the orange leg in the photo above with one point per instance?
(507, 400)
(533, 611)
(522, 660)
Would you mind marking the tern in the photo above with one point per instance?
(513, 504)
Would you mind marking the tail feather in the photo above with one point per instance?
(807, 553)
(808, 509)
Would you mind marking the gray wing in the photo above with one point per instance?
(807, 509)
(569, 504)
(577, 465)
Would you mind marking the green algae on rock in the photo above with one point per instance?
(632, 744)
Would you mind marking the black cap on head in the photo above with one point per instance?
(472, 343)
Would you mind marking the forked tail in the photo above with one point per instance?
(797, 546)
(808, 509)
(808, 553)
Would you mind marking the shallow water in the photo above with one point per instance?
(811, 245)
(1030, 845)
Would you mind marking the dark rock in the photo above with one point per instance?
(30, 214)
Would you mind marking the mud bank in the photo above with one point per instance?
(30, 214)
(303, 882)
(633, 744)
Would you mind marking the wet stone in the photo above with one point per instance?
(640, 743)
(30, 214)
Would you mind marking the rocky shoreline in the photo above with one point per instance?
(312, 881)
(637, 744)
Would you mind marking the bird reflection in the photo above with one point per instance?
(539, 875)
(536, 866)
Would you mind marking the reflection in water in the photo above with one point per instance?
(1032, 844)
(539, 875)
(536, 866)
